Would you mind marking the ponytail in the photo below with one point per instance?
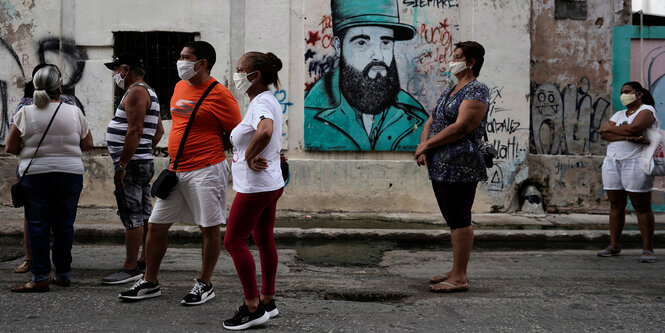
(266, 63)
(647, 98)
(47, 84)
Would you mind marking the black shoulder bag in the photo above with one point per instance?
(168, 179)
(18, 191)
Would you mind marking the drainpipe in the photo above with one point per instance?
(60, 37)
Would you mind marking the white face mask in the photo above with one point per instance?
(627, 99)
(119, 81)
(457, 66)
(242, 82)
(186, 69)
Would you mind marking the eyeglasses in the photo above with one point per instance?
(458, 57)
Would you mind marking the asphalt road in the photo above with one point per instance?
(380, 288)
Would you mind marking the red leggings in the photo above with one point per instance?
(253, 213)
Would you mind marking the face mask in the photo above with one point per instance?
(456, 67)
(119, 81)
(242, 82)
(627, 99)
(186, 69)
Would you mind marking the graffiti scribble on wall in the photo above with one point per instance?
(48, 51)
(370, 77)
(566, 121)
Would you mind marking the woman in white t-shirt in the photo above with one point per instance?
(622, 175)
(53, 180)
(257, 179)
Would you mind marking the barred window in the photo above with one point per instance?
(159, 50)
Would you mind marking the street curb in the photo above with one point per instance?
(408, 235)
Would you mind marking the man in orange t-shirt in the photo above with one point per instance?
(200, 196)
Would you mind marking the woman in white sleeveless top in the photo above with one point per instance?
(622, 174)
(54, 179)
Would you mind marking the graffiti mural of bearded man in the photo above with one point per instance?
(360, 105)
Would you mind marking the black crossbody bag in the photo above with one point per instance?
(168, 179)
(18, 191)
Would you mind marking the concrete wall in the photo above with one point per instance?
(550, 82)
(571, 97)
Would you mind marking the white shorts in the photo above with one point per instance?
(625, 175)
(199, 198)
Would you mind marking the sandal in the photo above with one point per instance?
(648, 256)
(439, 278)
(31, 287)
(451, 288)
(24, 267)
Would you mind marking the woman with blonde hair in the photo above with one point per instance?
(48, 138)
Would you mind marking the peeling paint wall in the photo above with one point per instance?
(550, 82)
(571, 97)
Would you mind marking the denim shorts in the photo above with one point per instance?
(134, 201)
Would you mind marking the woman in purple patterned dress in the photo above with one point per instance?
(450, 148)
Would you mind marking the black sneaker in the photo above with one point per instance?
(244, 319)
(271, 308)
(123, 276)
(140, 290)
(200, 293)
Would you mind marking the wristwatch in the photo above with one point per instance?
(119, 168)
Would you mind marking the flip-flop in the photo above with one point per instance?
(441, 278)
(453, 288)
(24, 267)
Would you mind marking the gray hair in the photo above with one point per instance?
(47, 82)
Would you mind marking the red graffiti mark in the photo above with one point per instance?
(326, 23)
(313, 37)
(326, 41)
(436, 35)
(308, 85)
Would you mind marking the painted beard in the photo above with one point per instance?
(367, 95)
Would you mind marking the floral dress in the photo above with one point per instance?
(459, 161)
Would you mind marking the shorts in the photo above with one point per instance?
(199, 198)
(134, 201)
(625, 175)
(455, 201)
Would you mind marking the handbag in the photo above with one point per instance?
(18, 190)
(488, 152)
(168, 179)
(653, 155)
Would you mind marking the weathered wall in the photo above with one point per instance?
(550, 82)
(571, 97)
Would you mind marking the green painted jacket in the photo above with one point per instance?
(332, 124)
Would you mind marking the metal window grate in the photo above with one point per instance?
(160, 50)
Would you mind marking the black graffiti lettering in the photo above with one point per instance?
(567, 121)
(507, 125)
(5, 109)
(321, 66)
(431, 3)
(507, 150)
(74, 55)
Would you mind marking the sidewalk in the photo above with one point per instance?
(93, 222)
